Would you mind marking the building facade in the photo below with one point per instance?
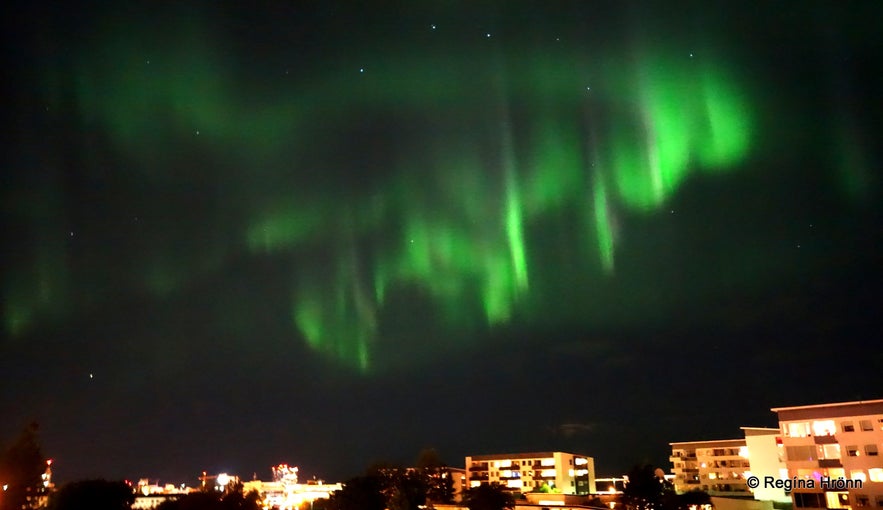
(833, 454)
(766, 458)
(718, 467)
(567, 473)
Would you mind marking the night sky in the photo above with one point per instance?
(328, 234)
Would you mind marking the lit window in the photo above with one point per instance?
(852, 451)
(829, 451)
(547, 462)
(835, 473)
(858, 474)
(824, 428)
(875, 474)
(504, 464)
(800, 429)
(514, 484)
(581, 461)
(743, 452)
(837, 499)
(547, 472)
(871, 450)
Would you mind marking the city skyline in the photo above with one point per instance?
(334, 234)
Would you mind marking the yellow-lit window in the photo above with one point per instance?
(858, 474)
(836, 473)
(824, 428)
(799, 429)
(875, 474)
(837, 499)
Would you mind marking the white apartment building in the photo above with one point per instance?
(832, 453)
(717, 467)
(568, 473)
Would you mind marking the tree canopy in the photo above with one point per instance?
(94, 495)
(647, 489)
(21, 468)
(488, 497)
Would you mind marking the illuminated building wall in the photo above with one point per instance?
(528, 472)
(717, 467)
(766, 458)
(839, 441)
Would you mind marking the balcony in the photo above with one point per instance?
(830, 463)
(830, 439)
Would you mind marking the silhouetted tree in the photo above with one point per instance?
(94, 495)
(21, 467)
(686, 500)
(231, 499)
(360, 493)
(647, 489)
(488, 497)
(437, 476)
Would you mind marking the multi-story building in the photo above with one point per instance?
(832, 453)
(717, 467)
(568, 473)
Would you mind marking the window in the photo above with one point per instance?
(834, 473)
(829, 451)
(880, 501)
(858, 474)
(808, 500)
(871, 450)
(807, 452)
(866, 425)
(862, 500)
(847, 426)
(837, 499)
(852, 451)
(798, 429)
(875, 474)
(823, 428)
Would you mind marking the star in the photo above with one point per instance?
(197, 132)
(72, 234)
(488, 35)
(362, 70)
(691, 55)
(91, 376)
(432, 27)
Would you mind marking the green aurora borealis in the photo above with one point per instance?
(423, 167)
